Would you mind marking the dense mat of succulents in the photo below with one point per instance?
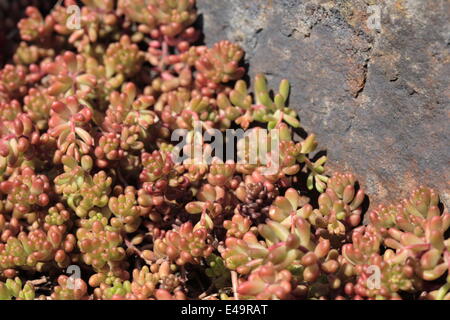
(87, 178)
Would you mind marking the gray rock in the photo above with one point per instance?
(376, 95)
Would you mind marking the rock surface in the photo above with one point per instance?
(375, 91)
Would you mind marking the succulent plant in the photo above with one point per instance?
(34, 26)
(125, 209)
(184, 245)
(68, 76)
(60, 16)
(123, 58)
(169, 18)
(219, 64)
(339, 206)
(18, 139)
(26, 193)
(410, 214)
(151, 279)
(273, 111)
(220, 173)
(10, 110)
(16, 289)
(97, 21)
(395, 277)
(28, 54)
(284, 209)
(266, 283)
(82, 191)
(13, 80)
(38, 104)
(217, 271)
(36, 248)
(113, 288)
(70, 289)
(238, 226)
(440, 294)
(94, 94)
(366, 241)
(69, 124)
(100, 245)
(157, 165)
(215, 206)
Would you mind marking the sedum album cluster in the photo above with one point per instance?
(93, 205)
